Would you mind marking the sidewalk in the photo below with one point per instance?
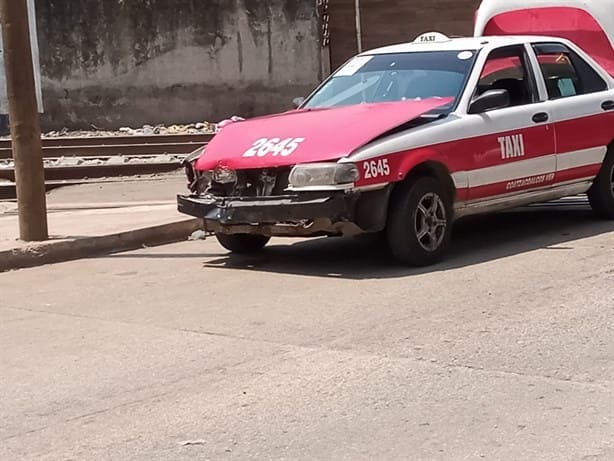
(98, 218)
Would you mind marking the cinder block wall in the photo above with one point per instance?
(130, 62)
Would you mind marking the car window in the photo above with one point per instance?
(566, 73)
(506, 69)
(397, 77)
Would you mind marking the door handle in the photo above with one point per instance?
(540, 117)
(607, 105)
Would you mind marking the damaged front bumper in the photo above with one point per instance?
(301, 214)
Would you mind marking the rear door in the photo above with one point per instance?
(519, 154)
(582, 110)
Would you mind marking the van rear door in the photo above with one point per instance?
(587, 23)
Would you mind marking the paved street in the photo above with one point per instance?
(319, 350)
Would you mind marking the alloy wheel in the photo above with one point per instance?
(430, 221)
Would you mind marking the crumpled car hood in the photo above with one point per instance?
(309, 135)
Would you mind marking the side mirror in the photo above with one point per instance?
(298, 101)
(490, 100)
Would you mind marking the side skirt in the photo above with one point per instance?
(506, 201)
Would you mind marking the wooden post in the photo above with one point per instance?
(23, 114)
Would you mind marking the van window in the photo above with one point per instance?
(566, 73)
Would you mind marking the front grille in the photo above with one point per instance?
(254, 183)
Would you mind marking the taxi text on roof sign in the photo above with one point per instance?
(431, 37)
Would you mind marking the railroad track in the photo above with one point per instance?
(76, 160)
(97, 157)
(114, 145)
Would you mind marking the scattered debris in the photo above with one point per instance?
(197, 235)
(114, 160)
(223, 123)
(188, 443)
(7, 207)
(145, 130)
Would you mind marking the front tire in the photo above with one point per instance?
(242, 243)
(601, 193)
(420, 222)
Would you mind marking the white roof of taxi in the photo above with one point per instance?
(460, 44)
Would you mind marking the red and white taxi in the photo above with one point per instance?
(407, 138)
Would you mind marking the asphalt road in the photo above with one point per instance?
(319, 349)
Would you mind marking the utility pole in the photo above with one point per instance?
(23, 115)
(358, 26)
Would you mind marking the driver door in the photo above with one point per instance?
(516, 152)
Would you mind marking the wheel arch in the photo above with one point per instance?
(435, 169)
(427, 162)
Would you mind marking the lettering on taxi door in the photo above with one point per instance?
(511, 146)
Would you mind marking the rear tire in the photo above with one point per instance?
(420, 222)
(242, 243)
(601, 193)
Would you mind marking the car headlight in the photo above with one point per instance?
(323, 174)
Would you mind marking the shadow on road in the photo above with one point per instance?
(475, 240)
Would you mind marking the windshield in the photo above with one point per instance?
(397, 77)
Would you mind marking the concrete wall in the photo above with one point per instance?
(384, 22)
(4, 102)
(131, 62)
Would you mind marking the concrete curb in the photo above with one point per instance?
(39, 254)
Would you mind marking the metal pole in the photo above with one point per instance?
(23, 114)
(358, 27)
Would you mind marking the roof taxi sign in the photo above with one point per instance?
(431, 37)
